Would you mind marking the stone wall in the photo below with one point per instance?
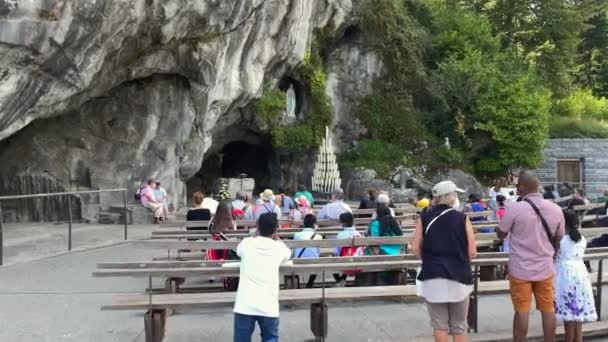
(593, 154)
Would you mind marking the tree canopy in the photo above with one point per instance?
(495, 77)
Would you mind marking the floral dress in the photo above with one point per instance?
(573, 293)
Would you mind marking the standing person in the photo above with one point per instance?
(308, 233)
(574, 303)
(161, 196)
(285, 202)
(220, 223)
(209, 203)
(257, 298)
(333, 210)
(534, 226)
(146, 195)
(445, 241)
(267, 205)
(385, 225)
(303, 192)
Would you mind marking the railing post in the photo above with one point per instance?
(598, 299)
(69, 223)
(1, 237)
(124, 201)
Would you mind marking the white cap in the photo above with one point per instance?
(445, 187)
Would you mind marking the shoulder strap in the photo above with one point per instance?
(428, 226)
(543, 221)
(312, 237)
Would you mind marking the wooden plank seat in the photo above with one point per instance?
(204, 234)
(320, 260)
(158, 304)
(168, 243)
(293, 223)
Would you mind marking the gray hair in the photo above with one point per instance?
(240, 195)
(338, 194)
(448, 199)
(383, 198)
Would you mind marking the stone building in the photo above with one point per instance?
(580, 162)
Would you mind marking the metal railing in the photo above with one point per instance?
(58, 194)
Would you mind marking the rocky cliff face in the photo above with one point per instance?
(104, 93)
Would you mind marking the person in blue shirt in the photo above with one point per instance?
(308, 233)
(349, 231)
(384, 225)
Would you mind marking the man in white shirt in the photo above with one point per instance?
(210, 203)
(333, 210)
(257, 298)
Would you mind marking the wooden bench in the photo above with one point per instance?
(158, 304)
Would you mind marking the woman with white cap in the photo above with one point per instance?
(445, 241)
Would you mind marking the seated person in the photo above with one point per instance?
(308, 233)
(161, 196)
(384, 225)
(241, 209)
(348, 232)
(198, 212)
(209, 203)
(333, 210)
(146, 195)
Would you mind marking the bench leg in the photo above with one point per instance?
(292, 281)
(172, 286)
(154, 324)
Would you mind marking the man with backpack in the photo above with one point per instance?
(267, 205)
(257, 298)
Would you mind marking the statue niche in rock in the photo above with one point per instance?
(289, 116)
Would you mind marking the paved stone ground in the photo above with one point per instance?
(31, 241)
(56, 299)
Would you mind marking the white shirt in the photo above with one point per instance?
(444, 290)
(258, 293)
(333, 210)
(211, 204)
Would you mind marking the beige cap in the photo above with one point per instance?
(445, 187)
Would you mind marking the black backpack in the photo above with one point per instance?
(138, 193)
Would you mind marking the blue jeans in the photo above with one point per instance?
(245, 324)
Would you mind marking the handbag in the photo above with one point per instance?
(545, 225)
(419, 283)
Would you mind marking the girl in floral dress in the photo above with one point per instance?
(574, 303)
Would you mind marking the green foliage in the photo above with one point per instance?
(271, 105)
(569, 127)
(513, 114)
(376, 155)
(581, 104)
(546, 32)
(295, 138)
